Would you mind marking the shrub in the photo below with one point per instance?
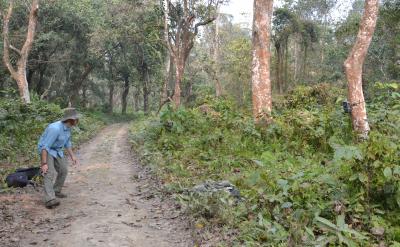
(305, 179)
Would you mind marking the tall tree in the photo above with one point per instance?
(168, 60)
(19, 74)
(186, 18)
(218, 87)
(354, 66)
(261, 78)
(285, 24)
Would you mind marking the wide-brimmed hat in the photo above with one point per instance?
(70, 113)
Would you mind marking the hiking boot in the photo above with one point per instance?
(52, 203)
(60, 195)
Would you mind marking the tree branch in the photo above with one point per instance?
(6, 53)
(46, 92)
(33, 19)
(15, 49)
(203, 23)
(167, 39)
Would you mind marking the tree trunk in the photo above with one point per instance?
(19, 74)
(84, 100)
(179, 69)
(218, 87)
(136, 100)
(40, 85)
(164, 90)
(168, 60)
(29, 77)
(354, 66)
(282, 69)
(304, 76)
(125, 94)
(279, 67)
(111, 86)
(286, 77)
(296, 59)
(145, 89)
(182, 43)
(77, 84)
(111, 97)
(261, 81)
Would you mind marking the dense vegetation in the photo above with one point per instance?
(304, 179)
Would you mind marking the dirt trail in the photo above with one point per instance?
(111, 202)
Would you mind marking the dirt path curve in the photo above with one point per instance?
(110, 202)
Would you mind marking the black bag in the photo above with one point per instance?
(22, 177)
(30, 172)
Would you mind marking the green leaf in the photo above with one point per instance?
(396, 170)
(346, 152)
(310, 232)
(347, 241)
(362, 177)
(388, 173)
(394, 85)
(254, 178)
(340, 221)
(398, 197)
(326, 224)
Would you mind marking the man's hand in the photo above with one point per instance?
(75, 161)
(44, 168)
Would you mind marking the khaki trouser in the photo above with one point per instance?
(58, 169)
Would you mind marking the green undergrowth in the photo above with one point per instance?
(305, 179)
(21, 126)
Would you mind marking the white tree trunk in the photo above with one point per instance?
(354, 66)
(19, 74)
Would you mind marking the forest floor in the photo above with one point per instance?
(112, 201)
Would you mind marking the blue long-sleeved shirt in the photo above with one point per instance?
(56, 137)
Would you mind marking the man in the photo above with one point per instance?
(55, 138)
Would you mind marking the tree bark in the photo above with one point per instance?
(125, 93)
(304, 73)
(179, 69)
(218, 87)
(111, 97)
(19, 74)
(181, 41)
(261, 81)
(286, 69)
(164, 90)
(146, 79)
(84, 96)
(354, 66)
(136, 100)
(111, 86)
(296, 58)
(40, 83)
(168, 60)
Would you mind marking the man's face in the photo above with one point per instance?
(72, 122)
